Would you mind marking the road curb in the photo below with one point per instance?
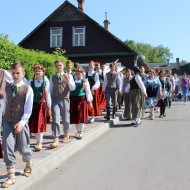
(42, 167)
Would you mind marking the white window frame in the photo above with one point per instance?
(80, 43)
(56, 35)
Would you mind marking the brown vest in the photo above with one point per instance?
(15, 105)
(60, 88)
(2, 81)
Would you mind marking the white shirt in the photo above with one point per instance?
(7, 77)
(71, 82)
(139, 81)
(47, 89)
(119, 82)
(87, 89)
(27, 106)
(96, 80)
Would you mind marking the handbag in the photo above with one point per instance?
(164, 93)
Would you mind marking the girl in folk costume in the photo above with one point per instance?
(101, 96)
(41, 104)
(69, 68)
(80, 98)
(127, 101)
(93, 79)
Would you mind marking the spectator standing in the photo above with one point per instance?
(185, 87)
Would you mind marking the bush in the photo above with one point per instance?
(10, 53)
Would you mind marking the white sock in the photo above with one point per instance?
(39, 137)
(81, 127)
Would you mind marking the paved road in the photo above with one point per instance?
(153, 156)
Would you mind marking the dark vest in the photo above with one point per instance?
(60, 88)
(112, 81)
(37, 91)
(91, 79)
(133, 84)
(15, 105)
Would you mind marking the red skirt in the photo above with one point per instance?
(37, 121)
(95, 110)
(78, 109)
(102, 98)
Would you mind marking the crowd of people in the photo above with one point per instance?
(76, 96)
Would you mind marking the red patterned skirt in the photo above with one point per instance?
(37, 121)
(95, 110)
(78, 109)
(102, 98)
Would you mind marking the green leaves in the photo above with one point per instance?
(152, 54)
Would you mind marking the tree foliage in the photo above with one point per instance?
(10, 53)
(158, 54)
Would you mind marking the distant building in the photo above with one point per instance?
(69, 28)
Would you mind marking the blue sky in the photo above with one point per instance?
(164, 22)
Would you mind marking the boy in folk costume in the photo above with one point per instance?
(60, 86)
(5, 76)
(41, 104)
(101, 96)
(136, 88)
(111, 87)
(80, 98)
(18, 98)
(93, 79)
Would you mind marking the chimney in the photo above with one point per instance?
(177, 63)
(106, 22)
(80, 5)
(168, 62)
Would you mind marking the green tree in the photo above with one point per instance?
(158, 54)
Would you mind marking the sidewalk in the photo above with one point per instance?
(48, 159)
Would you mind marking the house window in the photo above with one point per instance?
(56, 37)
(79, 36)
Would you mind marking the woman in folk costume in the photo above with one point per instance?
(41, 104)
(79, 100)
(101, 96)
(94, 81)
(127, 101)
(135, 88)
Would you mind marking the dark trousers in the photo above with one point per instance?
(163, 104)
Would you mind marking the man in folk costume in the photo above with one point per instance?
(41, 104)
(60, 86)
(18, 98)
(135, 89)
(69, 68)
(93, 79)
(111, 87)
(101, 96)
(5, 76)
(80, 98)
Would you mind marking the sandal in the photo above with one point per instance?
(8, 182)
(80, 135)
(28, 169)
(38, 147)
